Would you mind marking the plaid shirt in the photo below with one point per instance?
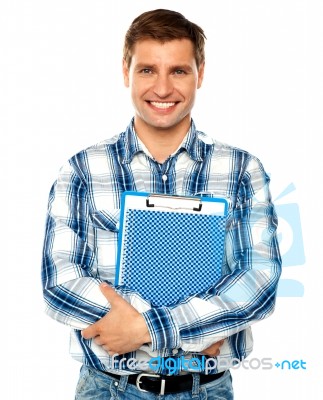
(80, 249)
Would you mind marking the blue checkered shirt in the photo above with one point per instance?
(80, 249)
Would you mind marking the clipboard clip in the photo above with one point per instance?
(168, 201)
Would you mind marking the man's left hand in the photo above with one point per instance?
(122, 329)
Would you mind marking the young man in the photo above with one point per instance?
(116, 333)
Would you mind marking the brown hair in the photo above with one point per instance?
(164, 25)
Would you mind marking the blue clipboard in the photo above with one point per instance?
(170, 247)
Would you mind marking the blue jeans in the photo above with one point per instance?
(95, 385)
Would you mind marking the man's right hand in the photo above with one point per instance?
(214, 349)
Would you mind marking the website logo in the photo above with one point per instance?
(173, 365)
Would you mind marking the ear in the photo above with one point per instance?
(200, 75)
(125, 71)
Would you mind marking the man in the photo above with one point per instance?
(116, 333)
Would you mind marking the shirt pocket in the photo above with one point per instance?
(106, 219)
(106, 225)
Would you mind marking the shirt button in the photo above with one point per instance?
(175, 351)
(116, 384)
(164, 178)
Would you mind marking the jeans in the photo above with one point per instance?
(95, 385)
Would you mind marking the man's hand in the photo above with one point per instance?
(122, 329)
(214, 349)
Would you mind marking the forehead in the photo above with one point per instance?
(171, 51)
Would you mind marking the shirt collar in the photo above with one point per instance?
(191, 143)
(131, 143)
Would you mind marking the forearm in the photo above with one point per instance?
(79, 303)
(245, 294)
(71, 278)
(71, 272)
(196, 324)
(76, 303)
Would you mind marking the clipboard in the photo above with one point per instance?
(170, 247)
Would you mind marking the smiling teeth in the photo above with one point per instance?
(161, 105)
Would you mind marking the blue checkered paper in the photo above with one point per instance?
(167, 256)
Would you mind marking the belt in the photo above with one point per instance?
(164, 384)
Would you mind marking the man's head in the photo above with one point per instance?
(163, 66)
(164, 25)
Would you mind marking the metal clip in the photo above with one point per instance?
(172, 198)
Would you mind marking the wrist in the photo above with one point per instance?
(144, 332)
(164, 334)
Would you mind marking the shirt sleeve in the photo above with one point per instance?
(246, 292)
(70, 286)
(70, 270)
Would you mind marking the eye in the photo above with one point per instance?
(146, 71)
(179, 72)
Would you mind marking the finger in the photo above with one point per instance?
(90, 332)
(217, 345)
(211, 353)
(109, 351)
(110, 294)
(216, 353)
(99, 341)
(105, 347)
(214, 349)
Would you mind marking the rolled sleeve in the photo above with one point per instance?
(162, 328)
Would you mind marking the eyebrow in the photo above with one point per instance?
(142, 66)
(185, 67)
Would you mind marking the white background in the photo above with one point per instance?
(61, 90)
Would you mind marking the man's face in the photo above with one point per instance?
(163, 78)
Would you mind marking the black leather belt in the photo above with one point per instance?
(164, 384)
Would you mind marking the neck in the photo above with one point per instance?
(160, 142)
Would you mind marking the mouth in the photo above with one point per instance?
(162, 105)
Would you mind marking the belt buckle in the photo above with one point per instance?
(162, 382)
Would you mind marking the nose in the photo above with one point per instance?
(163, 86)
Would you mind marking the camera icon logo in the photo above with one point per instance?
(290, 234)
(291, 244)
